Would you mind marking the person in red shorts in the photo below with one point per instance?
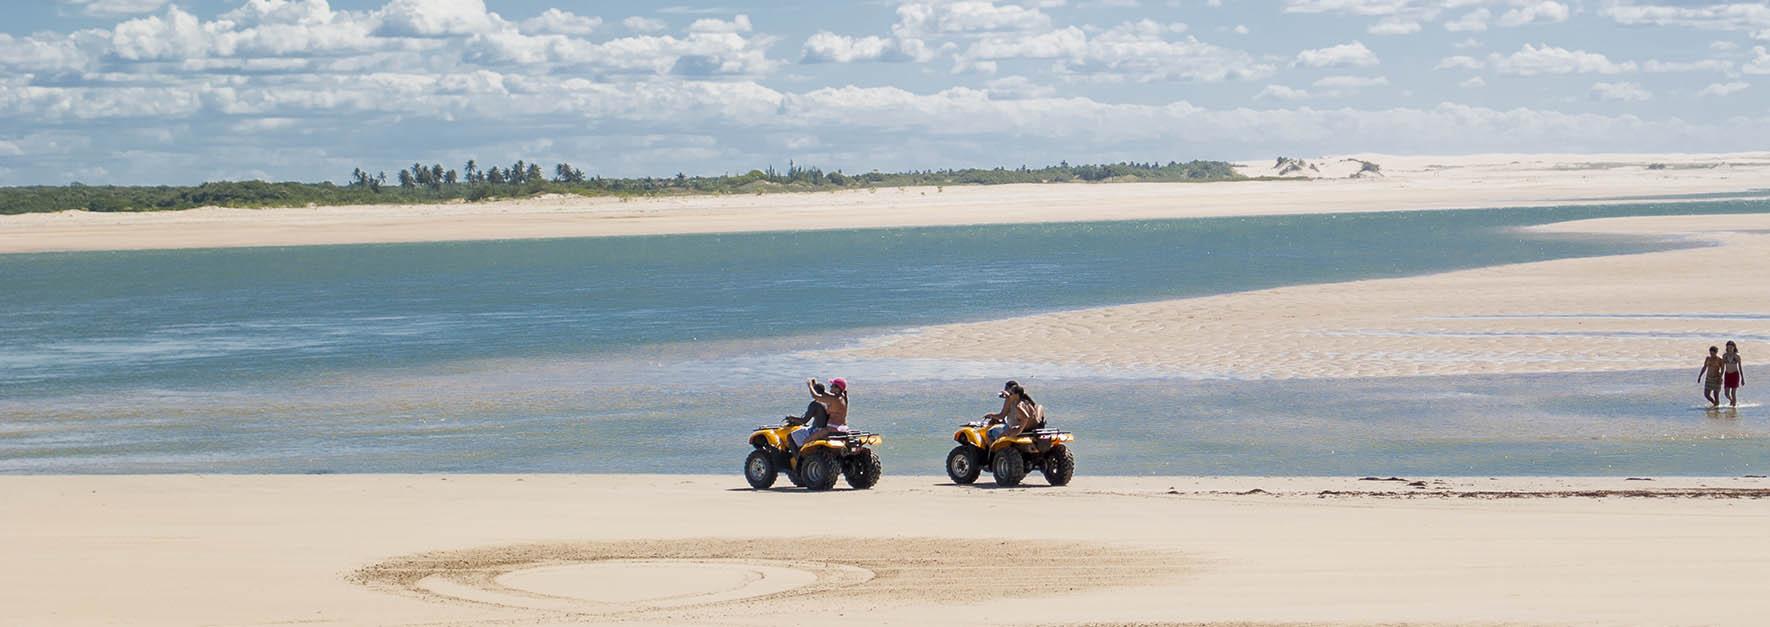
(1732, 373)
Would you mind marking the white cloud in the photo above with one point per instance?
(1473, 21)
(1760, 63)
(1018, 87)
(557, 22)
(827, 47)
(1538, 60)
(1068, 42)
(917, 20)
(1354, 7)
(1354, 54)
(1459, 62)
(1752, 17)
(1281, 92)
(175, 35)
(437, 18)
(1141, 51)
(114, 8)
(1394, 26)
(298, 89)
(1535, 12)
(1351, 82)
(1241, 29)
(50, 53)
(1704, 65)
(739, 24)
(1467, 43)
(640, 24)
(1625, 92)
(1723, 89)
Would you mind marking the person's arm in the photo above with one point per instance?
(1705, 370)
(1007, 406)
(811, 386)
(1741, 365)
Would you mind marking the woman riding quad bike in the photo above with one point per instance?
(815, 448)
(1011, 443)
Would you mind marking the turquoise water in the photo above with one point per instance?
(652, 354)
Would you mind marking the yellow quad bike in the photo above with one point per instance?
(1009, 459)
(815, 467)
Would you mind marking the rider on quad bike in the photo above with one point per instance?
(815, 448)
(1010, 443)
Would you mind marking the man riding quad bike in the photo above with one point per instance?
(813, 455)
(1011, 443)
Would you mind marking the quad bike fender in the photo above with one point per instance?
(776, 438)
(969, 435)
(760, 439)
(1002, 443)
(812, 446)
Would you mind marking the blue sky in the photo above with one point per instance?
(151, 91)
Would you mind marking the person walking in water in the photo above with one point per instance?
(1710, 375)
(1732, 373)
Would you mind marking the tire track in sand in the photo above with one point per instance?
(697, 579)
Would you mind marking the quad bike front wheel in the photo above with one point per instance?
(819, 470)
(964, 464)
(1059, 466)
(759, 469)
(863, 470)
(1010, 467)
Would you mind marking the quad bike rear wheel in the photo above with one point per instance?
(964, 464)
(1010, 467)
(819, 470)
(759, 469)
(862, 471)
(1059, 466)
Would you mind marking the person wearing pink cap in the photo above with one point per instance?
(835, 402)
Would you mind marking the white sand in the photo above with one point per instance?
(1408, 183)
(1626, 312)
(565, 549)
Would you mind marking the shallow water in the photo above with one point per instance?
(1640, 423)
(652, 354)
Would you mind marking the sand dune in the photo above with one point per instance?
(1406, 183)
(554, 550)
(1627, 312)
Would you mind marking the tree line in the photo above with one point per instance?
(473, 182)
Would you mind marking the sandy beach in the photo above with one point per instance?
(1622, 312)
(1407, 182)
(571, 549)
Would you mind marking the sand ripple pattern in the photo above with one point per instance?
(699, 579)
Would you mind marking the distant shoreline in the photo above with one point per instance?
(1404, 183)
(436, 184)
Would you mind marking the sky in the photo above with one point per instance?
(163, 92)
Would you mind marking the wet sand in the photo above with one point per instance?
(576, 549)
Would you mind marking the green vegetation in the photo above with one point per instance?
(433, 183)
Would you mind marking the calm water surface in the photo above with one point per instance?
(652, 354)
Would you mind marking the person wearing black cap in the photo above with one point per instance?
(1019, 412)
